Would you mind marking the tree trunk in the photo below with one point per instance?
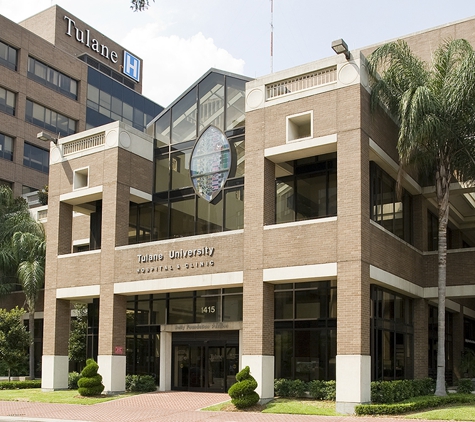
(442, 189)
(31, 327)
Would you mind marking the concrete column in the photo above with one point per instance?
(353, 360)
(112, 307)
(55, 362)
(458, 342)
(57, 313)
(261, 367)
(353, 382)
(257, 347)
(112, 369)
(421, 338)
(165, 361)
(112, 327)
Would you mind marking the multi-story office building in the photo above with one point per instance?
(256, 223)
(59, 75)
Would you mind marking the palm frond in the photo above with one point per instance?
(31, 275)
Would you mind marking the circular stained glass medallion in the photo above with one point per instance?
(210, 163)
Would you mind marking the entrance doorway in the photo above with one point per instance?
(207, 365)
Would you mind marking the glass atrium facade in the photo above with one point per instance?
(217, 102)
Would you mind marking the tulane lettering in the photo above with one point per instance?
(84, 37)
(190, 253)
(150, 257)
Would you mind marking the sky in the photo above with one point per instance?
(179, 40)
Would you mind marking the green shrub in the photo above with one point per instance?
(330, 390)
(465, 386)
(282, 387)
(424, 387)
(73, 378)
(322, 390)
(19, 385)
(467, 364)
(414, 405)
(90, 383)
(290, 388)
(140, 383)
(396, 391)
(242, 393)
(315, 389)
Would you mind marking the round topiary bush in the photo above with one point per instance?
(242, 393)
(90, 383)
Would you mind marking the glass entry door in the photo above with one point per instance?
(204, 367)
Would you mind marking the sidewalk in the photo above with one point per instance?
(170, 406)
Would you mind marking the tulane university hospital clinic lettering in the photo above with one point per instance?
(84, 37)
(176, 255)
(182, 253)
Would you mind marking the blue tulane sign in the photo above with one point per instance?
(131, 66)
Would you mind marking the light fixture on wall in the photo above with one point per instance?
(340, 47)
(43, 136)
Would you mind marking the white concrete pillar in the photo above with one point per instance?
(112, 369)
(353, 382)
(262, 369)
(165, 361)
(54, 373)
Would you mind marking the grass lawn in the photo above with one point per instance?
(65, 397)
(327, 408)
(283, 406)
(455, 413)
(301, 407)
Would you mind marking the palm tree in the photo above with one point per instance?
(29, 252)
(9, 209)
(22, 255)
(434, 105)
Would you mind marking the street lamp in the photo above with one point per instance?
(43, 136)
(340, 47)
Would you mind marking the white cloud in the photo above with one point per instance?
(172, 64)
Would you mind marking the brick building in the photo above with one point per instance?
(256, 223)
(60, 76)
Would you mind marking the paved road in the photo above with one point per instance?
(173, 406)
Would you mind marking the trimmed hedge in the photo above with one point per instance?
(317, 389)
(140, 383)
(90, 383)
(19, 385)
(242, 393)
(396, 391)
(381, 391)
(412, 406)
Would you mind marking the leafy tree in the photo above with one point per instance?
(78, 335)
(22, 256)
(139, 5)
(14, 338)
(12, 212)
(434, 105)
(43, 195)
